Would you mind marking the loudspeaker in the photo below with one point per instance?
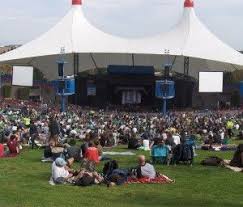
(165, 89)
(61, 84)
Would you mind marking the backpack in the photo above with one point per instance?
(183, 153)
(109, 167)
(118, 176)
(212, 161)
(186, 153)
(133, 143)
(47, 152)
(60, 181)
(84, 181)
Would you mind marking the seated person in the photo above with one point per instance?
(74, 152)
(33, 134)
(60, 171)
(170, 141)
(54, 149)
(176, 139)
(237, 160)
(100, 149)
(160, 152)
(13, 145)
(144, 169)
(92, 153)
(2, 154)
(133, 143)
(146, 145)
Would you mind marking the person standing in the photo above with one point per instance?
(33, 134)
(54, 128)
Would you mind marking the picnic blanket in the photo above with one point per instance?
(235, 169)
(10, 156)
(161, 179)
(229, 147)
(119, 153)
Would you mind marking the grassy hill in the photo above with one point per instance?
(24, 183)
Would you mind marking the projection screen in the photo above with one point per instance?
(211, 82)
(22, 76)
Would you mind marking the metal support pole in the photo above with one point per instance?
(133, 60)
(164, 106)
(186, 65)
(75, 73)
(63, 104)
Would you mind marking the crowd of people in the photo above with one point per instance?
(81, 134)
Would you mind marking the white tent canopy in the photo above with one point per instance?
(75, 36)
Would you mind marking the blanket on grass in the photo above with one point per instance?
(9, 156)
(235, 169)
(119, 153)
(161, 179)
(231, 147)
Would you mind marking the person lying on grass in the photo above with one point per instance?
(144, 173)
(86, 176)
(144, 170)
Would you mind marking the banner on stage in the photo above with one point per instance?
(91, 89)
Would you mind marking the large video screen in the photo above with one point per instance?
(22, 76)
(211, 82)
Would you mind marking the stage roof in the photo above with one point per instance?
(97, 49)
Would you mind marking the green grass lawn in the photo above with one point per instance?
(24, 183)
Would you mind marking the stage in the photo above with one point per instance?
(127, 85)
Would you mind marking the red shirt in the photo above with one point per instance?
(92, 154)
(12, 145)
(1, 150)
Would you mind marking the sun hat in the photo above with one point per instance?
(60, 162)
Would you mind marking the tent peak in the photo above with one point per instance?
(76, 2)
(189, 4)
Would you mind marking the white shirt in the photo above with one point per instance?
(177, 139)
(222, 135)
(58, 172)
(146, 145)
(148, 171)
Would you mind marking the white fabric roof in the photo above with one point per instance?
(98, 49)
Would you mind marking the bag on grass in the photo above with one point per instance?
(212, 161)
(109, 167)
(86, 180)
(118, 176)
(187, 152)
(47, 152)
(60, 181)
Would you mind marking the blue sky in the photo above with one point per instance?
(23, 20)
